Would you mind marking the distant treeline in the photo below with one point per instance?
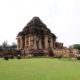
(6, 46)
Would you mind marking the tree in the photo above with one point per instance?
(5, 45)
(13, 46)
(76, 46)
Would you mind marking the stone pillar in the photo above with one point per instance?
(34, 44)
(21, 43)
(40, 44)
(25, 42)
(51, 43)
(23, 39)
(18, 43)
(46, 45)
(29, 41)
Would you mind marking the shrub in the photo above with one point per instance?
(60, 56)
(6, 57)
(12, 57)
(78, 57)
(18, 57)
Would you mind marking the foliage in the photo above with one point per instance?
(6, 57)
(18, 57)
(5, 45)
(78, 57)
(75, 46)
(11, 57)
(13, 46)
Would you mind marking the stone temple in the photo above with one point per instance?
(36, 38)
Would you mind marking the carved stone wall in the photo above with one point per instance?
(36, 36)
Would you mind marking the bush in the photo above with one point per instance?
(18, 57)
(6, 57)
(78, 57)
(12, 57)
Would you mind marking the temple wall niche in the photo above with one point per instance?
(51, 43)
(31, 41)
(23, 42)
(40, 44)
(46, 44)
(26, 42)
(35, 44)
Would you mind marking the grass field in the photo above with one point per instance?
(39, 69)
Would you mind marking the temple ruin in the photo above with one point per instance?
(36, 37)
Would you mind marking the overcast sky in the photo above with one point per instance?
(62, 17)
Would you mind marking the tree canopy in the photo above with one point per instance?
(5, 45)
(76, 46)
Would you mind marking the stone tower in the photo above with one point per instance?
(35, 36)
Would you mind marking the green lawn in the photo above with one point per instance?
(39, 69)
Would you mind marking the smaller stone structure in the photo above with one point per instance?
(66, 52)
